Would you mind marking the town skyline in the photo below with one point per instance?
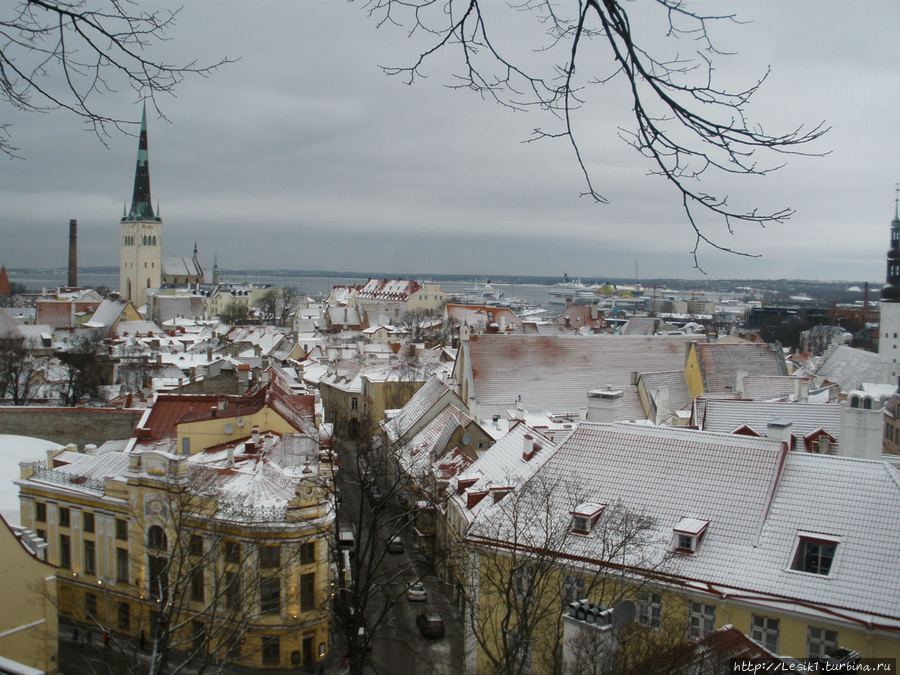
(329, 160)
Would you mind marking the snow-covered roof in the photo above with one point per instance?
(758, 499)
(556, 373)
(849, 367)
(13, 450)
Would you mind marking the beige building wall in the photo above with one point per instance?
(28, 623)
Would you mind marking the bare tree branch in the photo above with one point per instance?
(684, 124)
(59, 54)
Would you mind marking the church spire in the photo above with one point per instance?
(891, 290)
(141, 207)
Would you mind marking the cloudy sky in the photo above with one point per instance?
(303, 154)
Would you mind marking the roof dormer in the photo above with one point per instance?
(585, 516)
(688, 532)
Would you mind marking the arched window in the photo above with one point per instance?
(867, 403)
(154, 240)
(854, 401)
(156, 538)
(148, 283)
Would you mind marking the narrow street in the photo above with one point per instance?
(397, 645)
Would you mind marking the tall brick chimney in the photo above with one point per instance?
(73, 253)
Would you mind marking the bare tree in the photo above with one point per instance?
(83, 369)
(684, 124)
(268, 306)
(418, 324)
(234, 313)
(378, 505)
(519, 579)
(18, 370)
(65, 54)
(290, 299)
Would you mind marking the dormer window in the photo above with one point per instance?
(585, 516)
(688, 533)
(814, 554)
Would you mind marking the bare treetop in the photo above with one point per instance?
(684, 123)
(58, 54)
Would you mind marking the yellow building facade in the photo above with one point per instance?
(210, 534)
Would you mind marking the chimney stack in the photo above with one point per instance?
(73, 253)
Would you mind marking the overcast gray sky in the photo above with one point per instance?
(304, 155)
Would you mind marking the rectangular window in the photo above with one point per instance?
(65, 552)
(198, 634)
(232, 551)
(121, 529)
(270, 595)
(90, 557)
(814, 556)
(124, 616)
(573, 590)
(41, 533)
(197, 590)
(232, 591)
(122, 565)
(307, 592)
(271, 650)
(354, 403)
(195, 548)
(64, 520)
(40, 514)
(270, 557)
(820, 642)
(159, 577)
(308, 553)
(90, 605)
(185, 446)
(764, 630)
(649, 609)
(702, 619)
(520, 651)
(87, 520)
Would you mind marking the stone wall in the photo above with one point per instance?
(70, 425)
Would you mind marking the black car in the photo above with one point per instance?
(430, 625)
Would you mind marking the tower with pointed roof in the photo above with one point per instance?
(889, 322)
(141, 243)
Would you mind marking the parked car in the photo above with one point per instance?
(430, 625)
(417, 592)
(395, 545)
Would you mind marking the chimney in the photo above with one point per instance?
(780, 430)
(594, 311)
(230, 461)
(739, 382)
(604, 405)
(255, 434)
(528, 447)
(73, 253)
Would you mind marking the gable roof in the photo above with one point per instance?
(722, 362)
(849, 368)
(388, 289)
(557, 372)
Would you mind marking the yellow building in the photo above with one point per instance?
(700, 530)
(208, 535)
(28, 625)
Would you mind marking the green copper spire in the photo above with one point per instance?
(141, 207)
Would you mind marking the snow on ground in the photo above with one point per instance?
(15, 449)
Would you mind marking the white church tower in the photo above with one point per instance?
(140, 255)
(889, 324)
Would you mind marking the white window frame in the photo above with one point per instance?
(649, 609)
(819, 641)
(765, 630)
(797, 561)
(701, 619)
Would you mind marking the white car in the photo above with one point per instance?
(417, 592)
